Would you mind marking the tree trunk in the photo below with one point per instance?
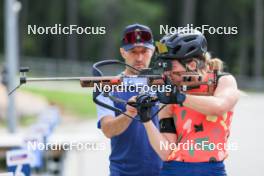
(189, 7)
(72, 18)
(243, 49)
(56, 15)
(109, 49)
(258, 38)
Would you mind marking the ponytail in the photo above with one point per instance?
(213, 63)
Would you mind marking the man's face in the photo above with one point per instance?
(138, 57)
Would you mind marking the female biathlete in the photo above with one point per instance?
(192, 139)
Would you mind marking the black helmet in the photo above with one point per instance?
(183, 44)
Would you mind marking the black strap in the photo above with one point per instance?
(167, 125)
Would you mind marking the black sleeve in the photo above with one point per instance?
(167, 125)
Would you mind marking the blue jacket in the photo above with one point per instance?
(131, 152)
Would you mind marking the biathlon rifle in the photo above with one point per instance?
(190, 80)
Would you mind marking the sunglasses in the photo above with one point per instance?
(137, 37)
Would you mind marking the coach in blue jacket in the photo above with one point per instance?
(131, 153)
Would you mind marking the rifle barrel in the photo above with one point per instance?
(92, 78)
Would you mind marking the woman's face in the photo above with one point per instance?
(177, 69)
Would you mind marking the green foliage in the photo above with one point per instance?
(27, 120)
(116, 14)
(75, 103)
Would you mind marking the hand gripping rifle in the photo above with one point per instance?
(147, 77)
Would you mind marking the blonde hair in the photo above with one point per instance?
(210, 64)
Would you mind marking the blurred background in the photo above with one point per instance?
(236, 50)
(73, 55)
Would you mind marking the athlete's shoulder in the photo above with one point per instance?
(227, 79)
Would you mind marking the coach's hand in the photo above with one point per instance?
(130, 110)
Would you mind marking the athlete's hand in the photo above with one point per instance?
(173, 97)
(144, 106)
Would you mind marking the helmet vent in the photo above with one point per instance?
(176, 49)
(189, 39)
(191, 49)
(173, 37)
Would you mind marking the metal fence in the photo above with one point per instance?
(56, 67)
